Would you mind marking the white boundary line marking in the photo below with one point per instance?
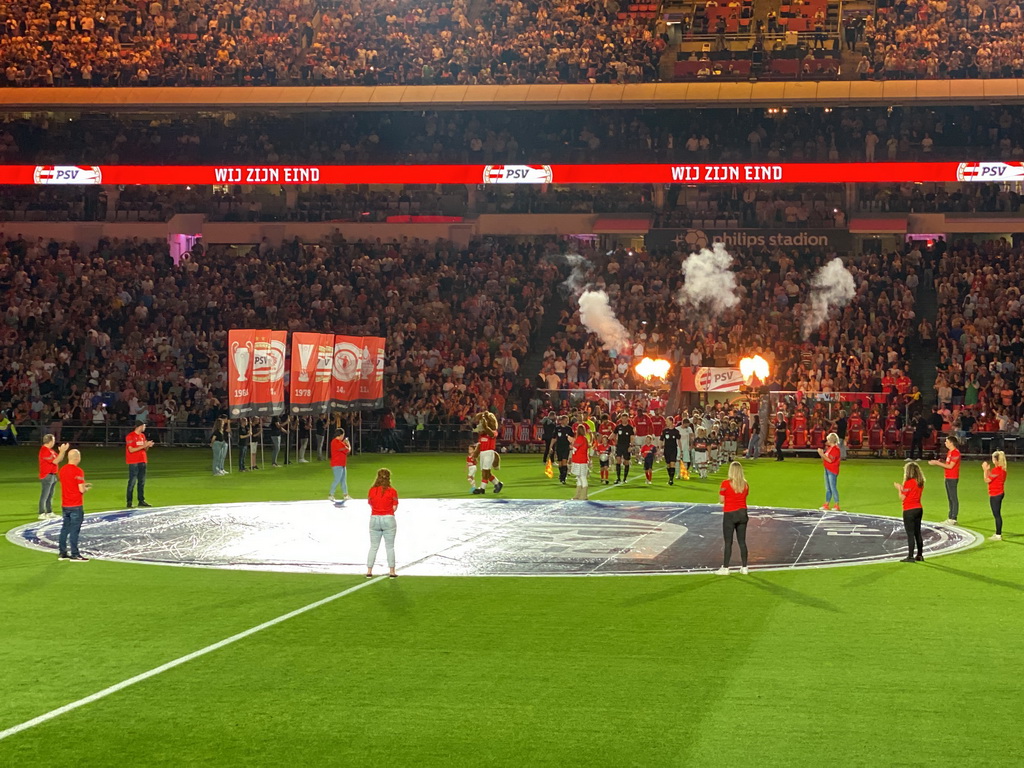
(179, 661)
(809, 537)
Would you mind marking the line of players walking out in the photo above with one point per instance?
(696, 443)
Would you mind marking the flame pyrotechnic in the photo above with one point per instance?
(754, 367)
(653, 369)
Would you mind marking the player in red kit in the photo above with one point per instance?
(649, 453)
(489, 460)
(581, 462)
(603, 447)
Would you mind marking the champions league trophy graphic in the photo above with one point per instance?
(305, 353)
(241, 354)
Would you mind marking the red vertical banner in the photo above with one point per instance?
(241, 348)
(268, 372)
(311, 371)
(371, 373)
(348, 363)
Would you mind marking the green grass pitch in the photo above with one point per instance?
(877, 665)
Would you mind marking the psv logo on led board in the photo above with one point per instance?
(990, 172)
(67, 174)
(517, 174)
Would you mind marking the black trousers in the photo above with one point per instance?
(954, 499)
(735, 523)
(778, 449)
(996, 502)
(912, 523)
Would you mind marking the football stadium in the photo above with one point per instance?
(512, 383)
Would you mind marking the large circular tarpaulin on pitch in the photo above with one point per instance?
(475, 537)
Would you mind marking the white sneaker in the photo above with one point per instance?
(723, 571)
(331, 497)
(952, 521)
(346, 497)
(303, 461)
(995, 537)
(744, 570)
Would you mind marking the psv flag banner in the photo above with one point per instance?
(241, 345)
(311, 372)
(268, 372)
(358, 373)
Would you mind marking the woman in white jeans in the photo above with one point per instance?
(383, 500)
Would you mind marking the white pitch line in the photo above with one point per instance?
(178, 662)
(811, 534)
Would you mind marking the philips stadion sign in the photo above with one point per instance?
(690, 240)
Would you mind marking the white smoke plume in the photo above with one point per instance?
(579, 266)
(832, 287)
(709, 283)
(597, 315)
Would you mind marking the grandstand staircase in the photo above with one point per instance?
(923, 360)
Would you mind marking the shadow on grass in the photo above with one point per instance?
(680, 587)
(977, 577)
(790, 595)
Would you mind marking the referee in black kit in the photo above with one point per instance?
(623, 444)
(560, 446)
(670, 447)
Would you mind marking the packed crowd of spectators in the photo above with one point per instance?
(928, 39)
(862, 348)
(121, 333)
(302, 42)
(940, 198)
(979, 335)
(810, 207)
(502, 136)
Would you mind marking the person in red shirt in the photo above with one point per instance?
(952, 473)
(136, 445)
(489, 458)
(72, 492)
(383, 499)
(603, 448)
(340, 449)
(910, 494)
(471, 459)
(48, 461)
(733, 496)
(830, 458)
(995, 478)
(649, 453)
(581, 462)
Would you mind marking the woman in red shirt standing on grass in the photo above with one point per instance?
(910, 494)
(733, 495)
(995, 478)
(383, 500)
(830, 458)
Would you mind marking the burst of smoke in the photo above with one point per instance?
(832, 287)
(577, 279)
(597, 315)
(709, 283)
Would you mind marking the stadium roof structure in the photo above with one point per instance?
(600, 96)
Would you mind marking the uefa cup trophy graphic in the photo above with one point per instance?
(305, 353)
(241, 356)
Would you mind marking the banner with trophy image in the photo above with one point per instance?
(358, 373)
(311, 369)
(241, 345)
(268, 372)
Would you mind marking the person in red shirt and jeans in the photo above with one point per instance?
(733, 495)
(830, 458)
(383, 500)
(72, 491)
(48, 461)
(135, 456)
(340, 449)
(910, 494)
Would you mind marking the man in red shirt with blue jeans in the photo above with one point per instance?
(135, 456)
(72, 492)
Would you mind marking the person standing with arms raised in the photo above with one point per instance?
(383, 499)
(72, 492)
(136, 446)
(951, 467)
(48, 461)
